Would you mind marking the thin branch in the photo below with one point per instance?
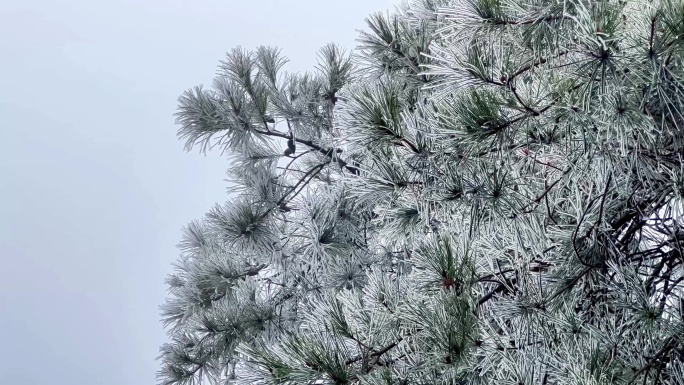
(327, 152)
(535, 64)
(670, 344)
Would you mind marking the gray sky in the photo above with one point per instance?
(94, 186)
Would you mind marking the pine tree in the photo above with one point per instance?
(485, 192)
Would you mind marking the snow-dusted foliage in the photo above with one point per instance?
(484, 192)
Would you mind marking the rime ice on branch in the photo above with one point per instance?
(486, 192)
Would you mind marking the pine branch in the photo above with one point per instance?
(670, 344)
(329, 152)
(534, 64)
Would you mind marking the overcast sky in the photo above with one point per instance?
(94, 186)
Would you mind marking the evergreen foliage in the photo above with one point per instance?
(486, 192)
